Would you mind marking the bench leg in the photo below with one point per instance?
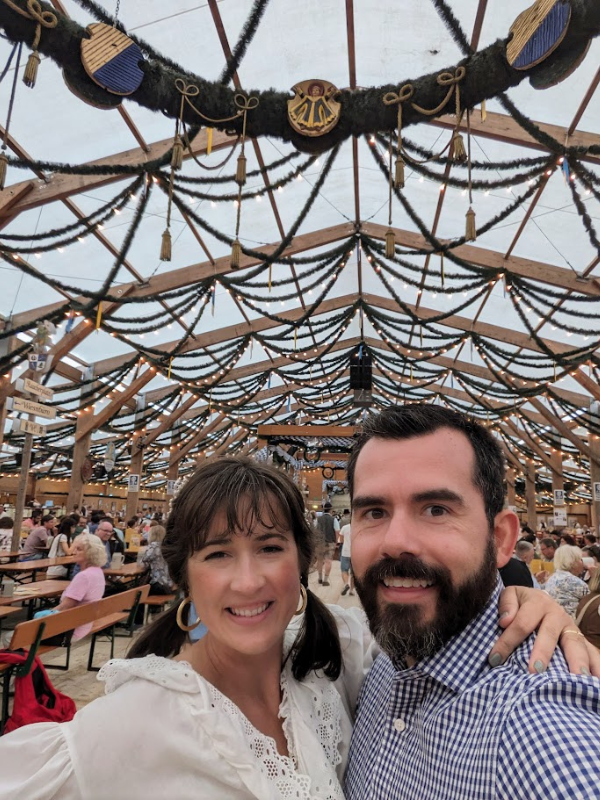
(7, 675)
(61, 666)
(91, 656)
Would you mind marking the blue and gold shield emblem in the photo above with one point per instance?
(111, 59)
(313, 111)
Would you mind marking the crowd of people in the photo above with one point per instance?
(438, 690)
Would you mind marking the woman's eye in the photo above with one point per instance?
(272, 548)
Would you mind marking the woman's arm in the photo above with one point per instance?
(523, 611)
(66, 603)
(64, 546)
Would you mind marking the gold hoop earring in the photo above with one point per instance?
(180, 622)
(304, 601)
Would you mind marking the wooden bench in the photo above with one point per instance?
(156, 601)
(103, 614)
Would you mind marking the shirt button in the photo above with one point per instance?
(399, 725)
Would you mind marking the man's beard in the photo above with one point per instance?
(397, 627)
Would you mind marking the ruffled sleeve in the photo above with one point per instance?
(47, 771)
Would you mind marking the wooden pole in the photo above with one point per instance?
(511, 492)
(530, 495)
(136, 468)
(22, 485)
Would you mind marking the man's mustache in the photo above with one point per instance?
(405, 567)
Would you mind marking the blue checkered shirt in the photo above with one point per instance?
(452, 728)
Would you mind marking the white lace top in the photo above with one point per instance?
(163, 731)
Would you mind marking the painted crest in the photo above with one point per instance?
(313, 111)
(111, 59)
(537, 32)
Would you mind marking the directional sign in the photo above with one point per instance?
(30, 407)
(27, 385)
(25, 426)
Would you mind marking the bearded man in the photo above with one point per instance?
(435, 720)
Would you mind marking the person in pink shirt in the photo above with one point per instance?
(88, 585)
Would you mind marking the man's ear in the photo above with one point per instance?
(506, 533)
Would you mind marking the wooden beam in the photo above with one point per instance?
(560, 426)
(318, 431)
(201, 434)
(531, 442)
(60, 185)
(503, 128)
(111, 409)
(525, 267)
(186, 276)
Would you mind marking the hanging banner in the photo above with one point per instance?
(133, 483)
(560, 517)
(559, 497)
(109, 457)
(171, 488)
(597, 490)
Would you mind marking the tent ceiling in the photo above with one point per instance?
(221, 341)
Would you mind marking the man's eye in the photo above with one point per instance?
(374, 513)
(436, 511)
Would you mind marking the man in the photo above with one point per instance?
(327, 529)
(547, 549)
(516, 571)
(589, 539)
(105, 532)
(434, 720)
(36, 542)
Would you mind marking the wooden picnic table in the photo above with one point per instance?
(30, 592)
(130, 573)
(22, 569)
(14, 555)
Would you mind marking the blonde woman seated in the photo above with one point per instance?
(257, 708)
(566, 585)
(88, 585)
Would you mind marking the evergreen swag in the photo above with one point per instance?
(488, 75)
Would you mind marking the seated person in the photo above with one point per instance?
(37, 540)
(88, 585)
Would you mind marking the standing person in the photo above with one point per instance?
(253, 710)
(345, 535)
(566, 585)
(345, 518)
(436, 720)
(327, 529)
(160, 582)
(35, 543)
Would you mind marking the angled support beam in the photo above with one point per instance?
(530, 441)
(198, 437)
(560, 426)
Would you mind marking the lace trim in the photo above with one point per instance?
(179, 675)
(324, 717)
(280, 770)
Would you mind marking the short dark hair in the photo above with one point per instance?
(420, 419)
(6, 523)
(547, 542)
(590, 537)
(47, 518)
(222, 486)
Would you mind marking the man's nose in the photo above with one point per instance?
(400, 537)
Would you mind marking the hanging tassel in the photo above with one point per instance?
(169, 370)
(99, 315)
(295, 338)
(213, 299)
(471, 230)
(270, 270)
(390, 243)
(236, 254)
(442, 269)
(411, 373)
(31, 69)
(240, 173)
(483, 111)
(209, 138)
(457, 149)
(177, 154)
(3, 169)
(165, 246)
(399, 176)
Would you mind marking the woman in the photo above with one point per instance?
(61, 546)
(88, 585)
(254, 709)
(565, 585)
(160, 582)
(588, 611)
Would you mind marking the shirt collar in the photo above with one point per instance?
(463, 659)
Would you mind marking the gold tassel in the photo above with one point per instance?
(458, 152)
(236, 254)
(399, 176)
(295, 337)
(165, 247)
(99, 315)
(240, 173)
(442, 268)
(483, 111)
(31, 69)
(177, 155)
(471, 230)
(3, 169)
(390, 243)
(209, 138)
(169, 372)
